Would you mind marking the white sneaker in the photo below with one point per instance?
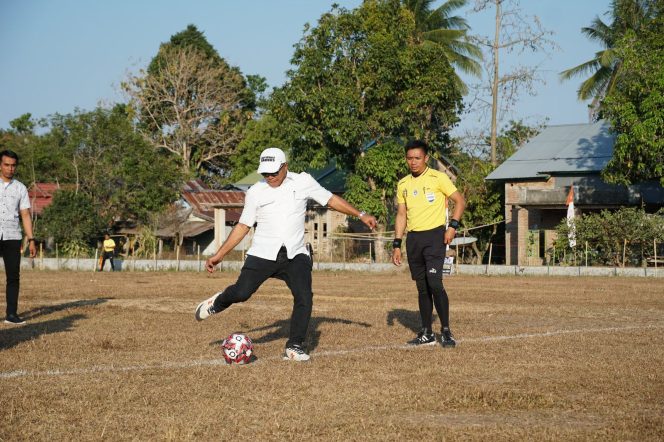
(295, 352)
(206, 308)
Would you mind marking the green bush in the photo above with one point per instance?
(609, 235)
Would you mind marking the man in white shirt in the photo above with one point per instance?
(277, 207)
(14, 202)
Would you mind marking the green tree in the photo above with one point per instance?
(373, 183)
(259, 134)
(635, 107)
(439, 26)
(70, 221)
(361, 77)
(21, 139)
(111, 163)
(626, 15)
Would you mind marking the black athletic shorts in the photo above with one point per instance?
(426, 252)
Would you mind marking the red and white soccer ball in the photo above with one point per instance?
(237, 349)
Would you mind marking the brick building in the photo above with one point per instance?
(537, 180)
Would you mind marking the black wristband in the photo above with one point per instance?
(30, 239)
(396, 243)
(454, 224)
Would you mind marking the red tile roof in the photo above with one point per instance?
(41, 195)
(203, 200)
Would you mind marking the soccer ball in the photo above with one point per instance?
(237, 349)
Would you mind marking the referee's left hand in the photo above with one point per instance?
(450, 233)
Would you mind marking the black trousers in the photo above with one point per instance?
(426, 255)
(104, 257)
(11, 255)
(295, 272)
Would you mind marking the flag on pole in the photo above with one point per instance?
(570, 217)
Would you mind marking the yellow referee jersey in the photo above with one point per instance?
(109, 245)
(425, 197)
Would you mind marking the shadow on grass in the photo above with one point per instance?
(46, 310)
(282, 328)
(408, 318)
(14, 335)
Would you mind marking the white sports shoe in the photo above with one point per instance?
(206, 308)
(295, 352)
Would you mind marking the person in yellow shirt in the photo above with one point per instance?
(421, 206)
(107, 252)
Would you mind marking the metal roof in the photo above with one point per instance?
(565, 149)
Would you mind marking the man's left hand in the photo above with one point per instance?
(33, 249)
(369, 221)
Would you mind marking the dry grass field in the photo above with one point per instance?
(119, 356)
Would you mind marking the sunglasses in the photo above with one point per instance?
(273, 174)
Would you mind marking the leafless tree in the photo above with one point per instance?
(514, 33)
(190, 106)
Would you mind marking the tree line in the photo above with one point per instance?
(362, 82)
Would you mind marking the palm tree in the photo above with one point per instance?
(626, 15)
(439, 26)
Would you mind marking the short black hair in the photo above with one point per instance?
(10, 154)
(417, 144)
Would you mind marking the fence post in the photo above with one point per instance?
(456, 261)
(177, 258)
(343, 248)
(41, 256)
(490, 252)
(198, 256)
(654, 247)
(586, 253)
(94, 265)
(154, 254)
(57, 257)
(624, 251)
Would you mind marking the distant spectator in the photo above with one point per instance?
(108, 250)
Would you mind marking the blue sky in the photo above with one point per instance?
(58, 55)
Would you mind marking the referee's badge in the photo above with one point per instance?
(430, 197)
(414, 192)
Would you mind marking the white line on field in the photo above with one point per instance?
(315, 354)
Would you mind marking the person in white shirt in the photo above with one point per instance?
(14, 202)
(277, 206)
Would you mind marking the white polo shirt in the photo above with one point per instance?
(13, 197)
(279, 214)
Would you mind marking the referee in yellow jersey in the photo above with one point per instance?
(422, 199)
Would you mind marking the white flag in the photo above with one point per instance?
(570, 217)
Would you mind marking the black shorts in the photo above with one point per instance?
(426, 252)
